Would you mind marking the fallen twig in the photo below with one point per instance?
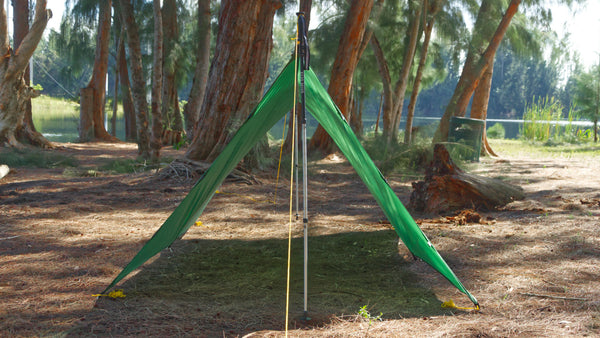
(11, 237)
(550, 296)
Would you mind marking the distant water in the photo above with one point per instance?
(64, 129)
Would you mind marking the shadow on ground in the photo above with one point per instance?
(231, 287)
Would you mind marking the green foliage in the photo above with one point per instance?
(36, 158)
(542, 122)
(496, 131)
(399, 157)
(540, 119)
(587, 94)
(128, 166)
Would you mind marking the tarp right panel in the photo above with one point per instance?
(322, 107)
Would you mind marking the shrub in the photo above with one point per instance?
(496, 131)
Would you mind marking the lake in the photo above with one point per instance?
(63, 128)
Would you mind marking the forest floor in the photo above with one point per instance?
(66, 233)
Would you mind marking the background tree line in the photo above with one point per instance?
(191, 71)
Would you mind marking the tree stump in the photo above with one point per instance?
(447, 188)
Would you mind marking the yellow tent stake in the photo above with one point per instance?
(113, 294)
(450, 305)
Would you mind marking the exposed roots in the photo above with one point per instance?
(183, 168)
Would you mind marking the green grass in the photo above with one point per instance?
(541, 150)
(35, 158)
(347, 271)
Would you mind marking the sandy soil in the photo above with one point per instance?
(534, 265)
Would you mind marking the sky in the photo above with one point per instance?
(582, 22)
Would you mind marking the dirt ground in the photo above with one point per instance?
(534, 265)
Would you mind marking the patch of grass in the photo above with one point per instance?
(545, 149)
(36, 158)
(239, 277)
(399, 157)
(129, 166)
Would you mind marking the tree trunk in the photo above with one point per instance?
(237, 75)
(157, 77)
(128, 107)
(447, 188)
(346, 60)
(471, 76)
(422, 59)
(119, 37)
(305, 7)
(386, 80)
(137, 72)
(13, 91)
(479, 107)
(98, 82)
(391, 121)
(191, 112)
(173, 125)
(27, 130)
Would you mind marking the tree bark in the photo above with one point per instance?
(98, 81)
(479, 107)
(447, 188)
(386, 80)
(27, 130)
(471, 76)
(422, 59)
(237, 75)
(346, 60)
(157, 81)
(391, 120)
(173, 124)
(128, 106)
(13, 91)
(113, 120)
(137, 72)
(306, 6)
(191, 111)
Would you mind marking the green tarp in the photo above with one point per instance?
(274, 105)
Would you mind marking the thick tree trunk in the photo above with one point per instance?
(471, 76)
(479, 107)
(447, 188)
(157, 81)
(128, 107)
(13, 91)
(97, 84)
(27, 130)
(422, 59)
(391, 121)
(191, 112)
(137, 72)
(237, 75)
(173, 124)
(346, 60)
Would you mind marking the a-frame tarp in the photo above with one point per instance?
(274, 105)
